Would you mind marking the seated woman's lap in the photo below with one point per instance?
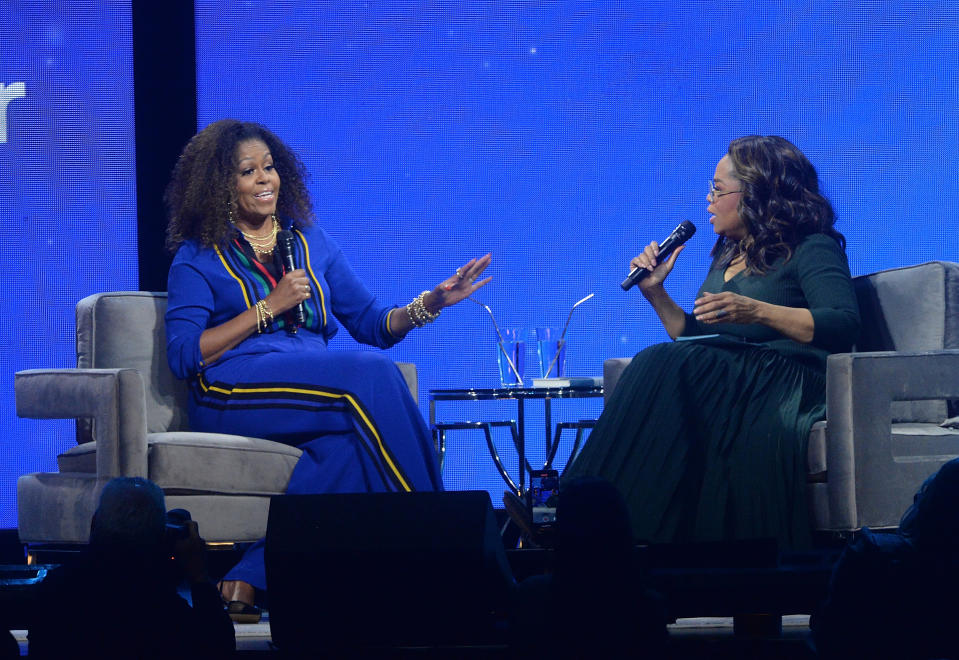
(350, 411)
(294, 397)
(706, 442)
(345, 409)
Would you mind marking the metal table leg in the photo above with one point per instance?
(521, 441)
(580, 427)
(439, 435)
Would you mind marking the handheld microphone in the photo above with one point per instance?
(284, 244)
(679, 236)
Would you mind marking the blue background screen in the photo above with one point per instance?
(561, 136)
(69, 199)
(565, 136)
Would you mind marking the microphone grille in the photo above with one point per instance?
(284, 239)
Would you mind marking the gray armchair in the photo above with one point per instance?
(132, 421)
(889, 423)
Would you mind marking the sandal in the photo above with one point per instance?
(239, 611)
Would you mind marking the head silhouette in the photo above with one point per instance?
(592, 522)
(131, 517)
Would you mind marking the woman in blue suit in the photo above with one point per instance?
(253, 368)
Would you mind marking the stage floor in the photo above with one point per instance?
(701, 637)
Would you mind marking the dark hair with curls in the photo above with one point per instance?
(202, 190)
(780, 205)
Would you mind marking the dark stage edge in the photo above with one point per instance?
(693, 638)
(703, 585)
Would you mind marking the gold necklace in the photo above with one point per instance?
(262, 244)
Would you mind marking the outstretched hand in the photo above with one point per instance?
(462, 284)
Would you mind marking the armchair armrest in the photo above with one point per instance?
(113, 398)
(613, 369)
(863, 467)
(408, 370)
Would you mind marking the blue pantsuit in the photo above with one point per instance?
(350, 412)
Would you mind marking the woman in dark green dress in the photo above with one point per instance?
(706, 436)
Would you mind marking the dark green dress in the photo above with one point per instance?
(706, 436)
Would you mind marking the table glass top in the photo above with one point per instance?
(517, 392)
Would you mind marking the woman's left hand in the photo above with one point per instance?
(726, 307)
(461, 284)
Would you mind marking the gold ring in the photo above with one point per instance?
(459, 274)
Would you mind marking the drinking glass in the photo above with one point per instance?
(511, 356)
(551, 350)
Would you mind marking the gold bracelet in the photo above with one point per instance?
(259, 317)
(419, 315)
(264, 316)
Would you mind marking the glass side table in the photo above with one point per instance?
(518, 431)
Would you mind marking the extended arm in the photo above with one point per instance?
(371, 322)
(449, 292)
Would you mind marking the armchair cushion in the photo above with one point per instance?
(186, 462)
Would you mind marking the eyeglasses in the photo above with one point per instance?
(714, 194)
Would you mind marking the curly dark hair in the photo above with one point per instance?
(202, 190)
(781, 203)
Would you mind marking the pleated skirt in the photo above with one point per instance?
(708, 443)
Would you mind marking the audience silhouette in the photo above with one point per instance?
(893, 595)
(9, 646)
(119, 597)
(595, 604)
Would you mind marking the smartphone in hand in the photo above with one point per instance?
(542, 496)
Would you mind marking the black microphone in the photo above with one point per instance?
(679, 236)
(284, 243)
